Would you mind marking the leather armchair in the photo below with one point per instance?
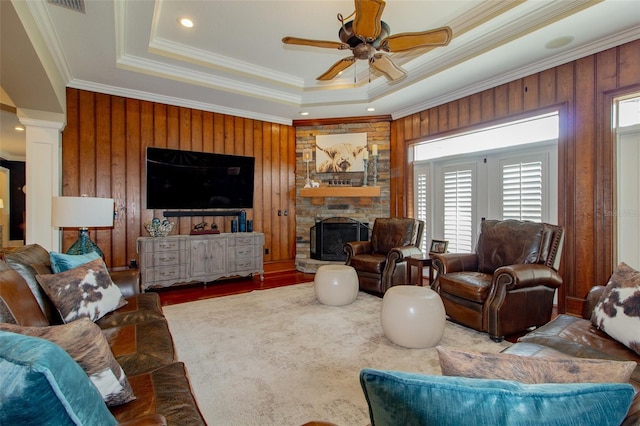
(380, 262)
(508, 285)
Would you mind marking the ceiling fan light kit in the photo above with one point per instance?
(366, 35)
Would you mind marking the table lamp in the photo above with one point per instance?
(83, 213)
(1, 204)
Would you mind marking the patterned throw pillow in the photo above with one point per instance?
(85, 291)
(532, 370)
(88, 346)
(617, 313)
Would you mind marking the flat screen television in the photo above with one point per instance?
(179, 179)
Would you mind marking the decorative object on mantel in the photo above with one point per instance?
(159, 228)
(306, 157)
(365, 167)
(374, 153)
(201, 229)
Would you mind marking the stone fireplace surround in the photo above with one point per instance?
(310, 210)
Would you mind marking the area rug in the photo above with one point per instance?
(279, 357)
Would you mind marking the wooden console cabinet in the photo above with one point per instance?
(182, 259)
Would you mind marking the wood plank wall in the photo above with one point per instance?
(103, 154)
(583, 91)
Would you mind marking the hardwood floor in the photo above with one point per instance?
(188, 293)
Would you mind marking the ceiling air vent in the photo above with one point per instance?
(77, 5)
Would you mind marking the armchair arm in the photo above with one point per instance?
(355, 248)
(593, 297)
(454, 262)
(399, 253)
(526, 275)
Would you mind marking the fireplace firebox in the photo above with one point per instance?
(328, 237)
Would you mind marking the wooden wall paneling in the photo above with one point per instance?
(487, 110)
(292, 192)
(132, 183)
(278, 204)
(443, 118)
(454, 115)
(501, 100)
(118, 158)
(70, 158)
(396, 143)
(270, 213)
(433, 123)
(531, 96)
(584, 177)
(103, 167)
(259, 193)
(464, 112)
(607, 79)
(516, 96)
(147, 139)
(547, 88)
(475, 108)
(628, 64)
(423, 117)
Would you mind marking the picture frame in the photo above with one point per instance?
(439, 246)
(341, 153)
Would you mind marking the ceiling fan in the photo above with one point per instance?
(366, 35)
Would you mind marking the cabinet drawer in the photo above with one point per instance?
(166, 245)
(240, 265)
(165, 273)
(242, 240)
(242, 252)
(163, 258)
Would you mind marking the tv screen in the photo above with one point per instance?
(198, 180)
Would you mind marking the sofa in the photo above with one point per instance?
(137, 334)
(572, 336)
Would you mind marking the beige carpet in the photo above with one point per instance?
(278, 357)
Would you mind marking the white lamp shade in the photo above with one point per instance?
(82, 212)
(1, 204)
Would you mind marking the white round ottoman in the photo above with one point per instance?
(336, 285)
(413, 316)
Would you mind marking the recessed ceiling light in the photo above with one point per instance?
(304, 113)
(559, 42)
(371, 109)
(186, 22)
(19, 129)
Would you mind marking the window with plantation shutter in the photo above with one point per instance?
(458, 208)
(514, 177)
(522, 191)
(423, 206)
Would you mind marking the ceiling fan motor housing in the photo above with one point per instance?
(347, 36)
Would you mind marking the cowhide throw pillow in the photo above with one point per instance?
(532, 370)
(617, 313)
(85, 291)
(86, 344)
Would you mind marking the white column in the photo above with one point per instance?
(43, 176)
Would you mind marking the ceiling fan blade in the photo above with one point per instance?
(314, 43)
(336, 68)
(368, 16)
(386, 66)
(406, 41)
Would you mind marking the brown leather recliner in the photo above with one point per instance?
(380, 262)
(508, 285)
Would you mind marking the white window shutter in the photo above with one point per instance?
(522, 191)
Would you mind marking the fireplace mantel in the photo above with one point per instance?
(341, 191)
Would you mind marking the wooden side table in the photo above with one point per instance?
(420, 262)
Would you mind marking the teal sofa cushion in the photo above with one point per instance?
(61, 262)
(399, 398)
(40, 384)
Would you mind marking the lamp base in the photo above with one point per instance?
(84, 244)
